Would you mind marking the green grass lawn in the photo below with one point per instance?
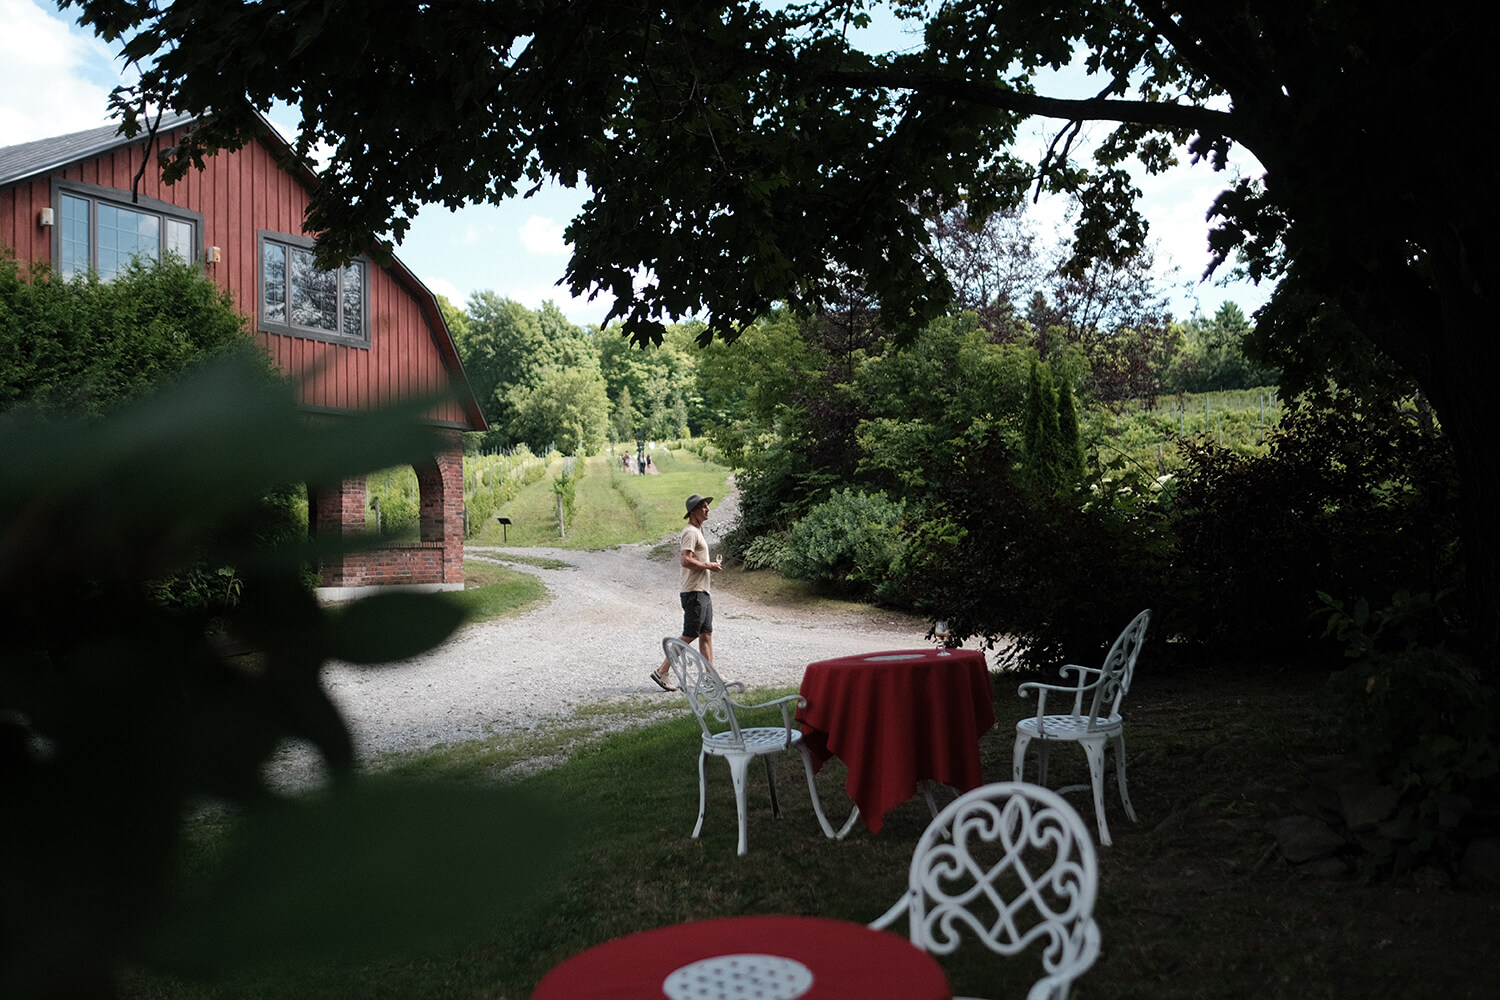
(492, 591)
(1193, 902)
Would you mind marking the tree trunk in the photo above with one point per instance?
(1461, 387)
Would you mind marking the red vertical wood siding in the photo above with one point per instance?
(239, 194)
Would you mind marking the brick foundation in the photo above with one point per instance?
(402, 562)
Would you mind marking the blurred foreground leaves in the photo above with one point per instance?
(374, 873)
(120, 717)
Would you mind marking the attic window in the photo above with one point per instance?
(100, 230)
(299, 299)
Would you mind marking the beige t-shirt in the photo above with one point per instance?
(694, 542)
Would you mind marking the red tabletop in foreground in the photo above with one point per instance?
(898, 717)
(798, 958)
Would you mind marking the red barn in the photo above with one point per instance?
(363, 336)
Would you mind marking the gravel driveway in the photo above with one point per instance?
(595, 640)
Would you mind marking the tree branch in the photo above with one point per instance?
(1161, 114)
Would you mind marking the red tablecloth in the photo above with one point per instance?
(898, 717)
(847, 961)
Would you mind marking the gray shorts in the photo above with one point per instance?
(697, 613)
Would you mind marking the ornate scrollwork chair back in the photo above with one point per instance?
(1011, 865)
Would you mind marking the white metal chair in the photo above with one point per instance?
(1013, 865)
(708, 695)
(1094, 721)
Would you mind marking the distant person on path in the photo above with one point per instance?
(697, 605)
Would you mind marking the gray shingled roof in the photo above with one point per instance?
(30, 159)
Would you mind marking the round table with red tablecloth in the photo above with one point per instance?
(750, 958)
(898, 718)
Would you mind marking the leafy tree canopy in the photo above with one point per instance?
(656, 377)
(738, 155)
(567, 408)
(1211, 355)
(741, 155)
(510, 349)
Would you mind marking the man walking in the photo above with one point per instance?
(697, 605)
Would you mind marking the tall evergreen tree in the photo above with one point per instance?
(1070, 448)
(1031, 431)
(1044, 463)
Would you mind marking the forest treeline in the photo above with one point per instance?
(550, 384)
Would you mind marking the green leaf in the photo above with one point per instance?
(390, 627)
(381, 872)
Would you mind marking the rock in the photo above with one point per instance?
(1364, 804)
(1481, 861)
(1320, 802)
(1303, 838)
(1430, 877)
(1330, 868)
(1452, 808)
(1399, 828)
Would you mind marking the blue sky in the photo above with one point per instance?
(516, 249)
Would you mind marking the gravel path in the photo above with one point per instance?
(595, 640)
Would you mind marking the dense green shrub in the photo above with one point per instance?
(399, 514)
(1047, 579)
(393, 502)
(772, 496)
(1354, 497)
(848, 542)
(1043, 457)
(766, 551)
(214, 588)
(533, 472)
(480, 505)
(85, 346)
(1417, 712)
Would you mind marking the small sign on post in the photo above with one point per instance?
(504, 525)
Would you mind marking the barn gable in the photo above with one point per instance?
(363, 337)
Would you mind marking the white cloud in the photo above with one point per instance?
(578, 309)
(56, 76)
(542, 236)
(445, 288)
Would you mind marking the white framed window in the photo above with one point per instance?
(299, 299)
(101, 229)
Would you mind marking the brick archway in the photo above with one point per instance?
(434, 562)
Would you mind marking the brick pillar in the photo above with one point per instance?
(334, 511)
(441, 483)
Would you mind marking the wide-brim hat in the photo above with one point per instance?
(693, 502)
